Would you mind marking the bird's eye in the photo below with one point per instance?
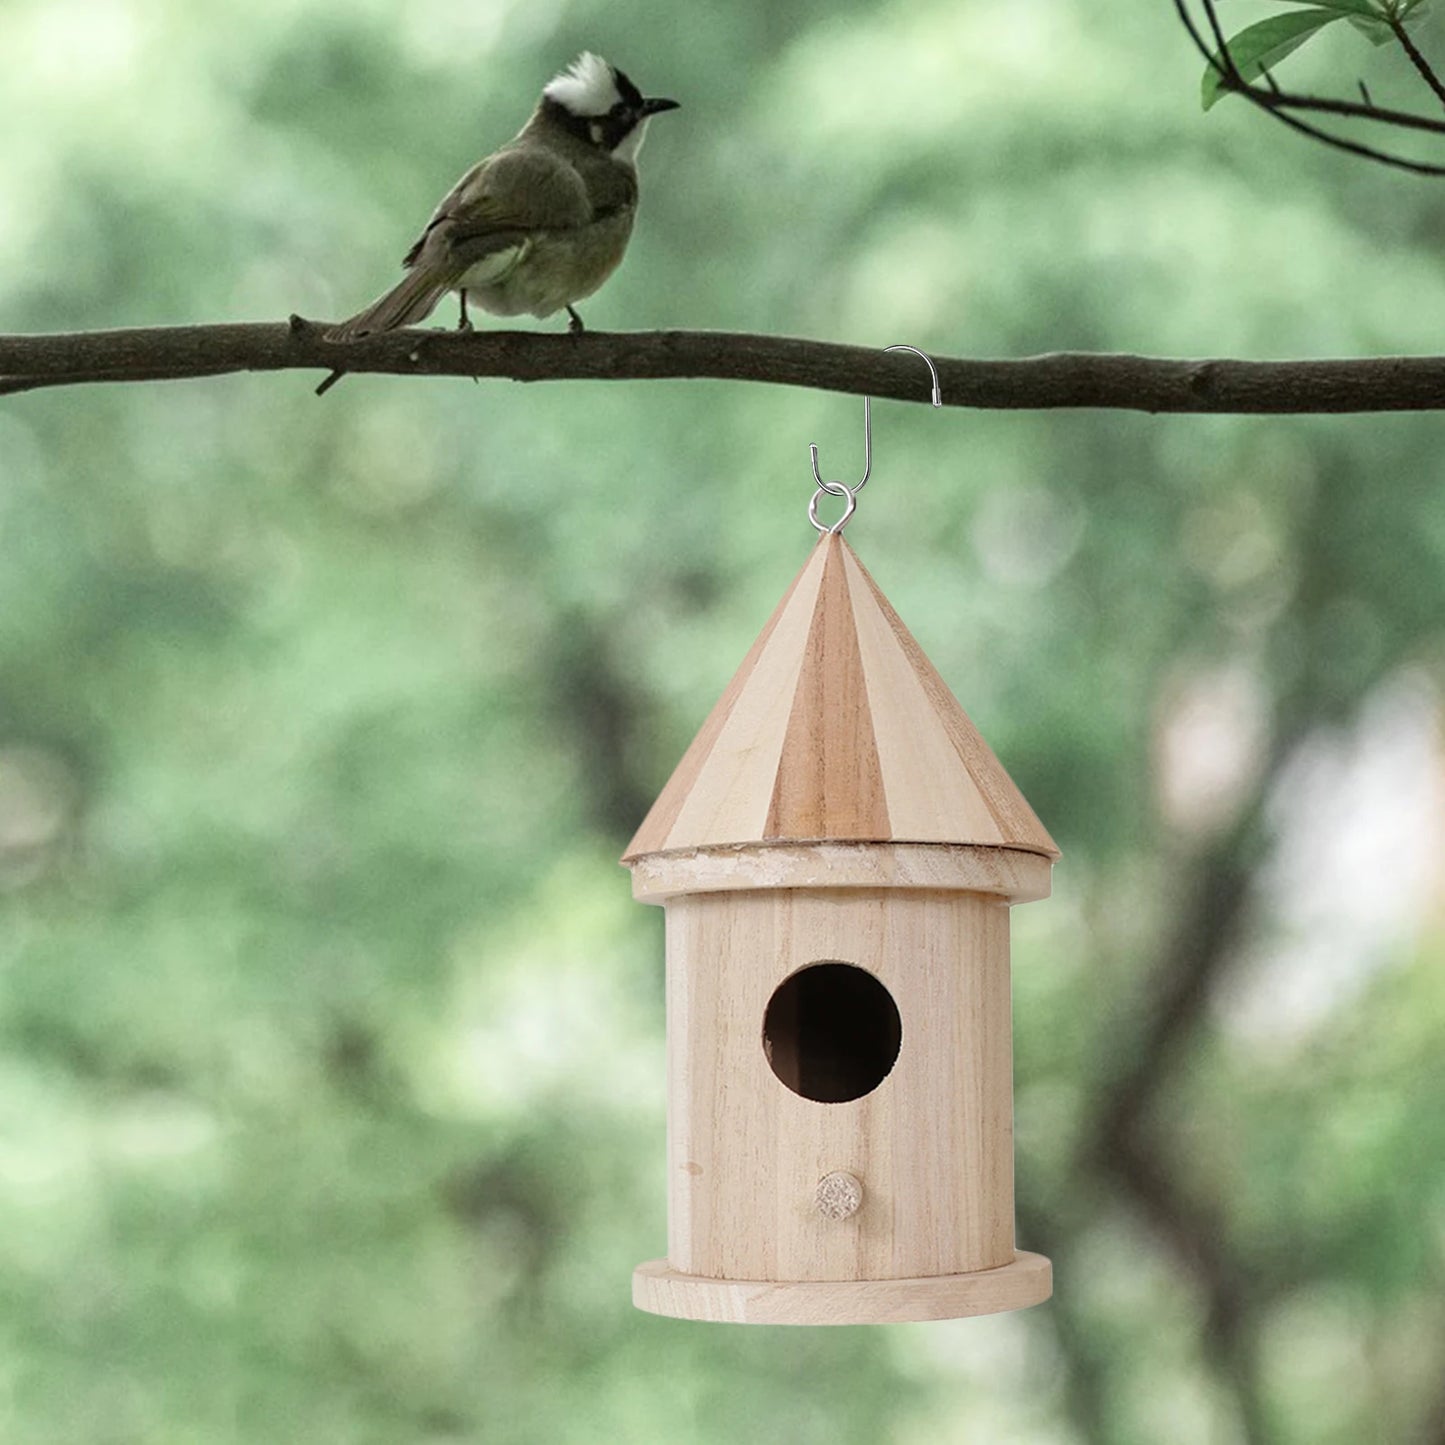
(618, 110)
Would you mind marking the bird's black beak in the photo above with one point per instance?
(654, 107)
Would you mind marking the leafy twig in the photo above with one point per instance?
(1283, 105)
(1423, 66)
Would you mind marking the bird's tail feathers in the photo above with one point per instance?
(411, 300)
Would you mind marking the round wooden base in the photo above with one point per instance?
(664, 1291)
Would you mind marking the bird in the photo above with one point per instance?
(539, 224)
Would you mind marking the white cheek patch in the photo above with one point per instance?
(586, 87)
(627, 148)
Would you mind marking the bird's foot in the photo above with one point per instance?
(574, 322)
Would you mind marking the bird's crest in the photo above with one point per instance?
(587, 87)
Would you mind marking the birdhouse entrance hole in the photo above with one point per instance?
(831, 1032)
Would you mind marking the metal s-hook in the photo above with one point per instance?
(840, 489)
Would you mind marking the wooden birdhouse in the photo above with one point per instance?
(836, 854)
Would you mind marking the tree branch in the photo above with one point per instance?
(1282, 104)
(1422, 66)
(1134, 1142)
(1128, 1148)
(1061, 379)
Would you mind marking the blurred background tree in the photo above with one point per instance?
(330, 1039)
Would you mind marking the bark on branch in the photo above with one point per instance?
(1061, 379)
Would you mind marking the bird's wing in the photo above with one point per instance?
(520, 189)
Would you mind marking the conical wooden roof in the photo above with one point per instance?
(837, 728)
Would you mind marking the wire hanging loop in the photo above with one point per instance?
(833, 489)
(836, 488)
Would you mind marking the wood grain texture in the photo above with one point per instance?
(829, 782)
(837, 727)
(1026, 1280)
(710, 791)
(934, 795)
(932, 1144)
(1011, 873)
(1016, 823)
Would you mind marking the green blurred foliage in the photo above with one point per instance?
(330, 1040)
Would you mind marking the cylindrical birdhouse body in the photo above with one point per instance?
(840, 1139)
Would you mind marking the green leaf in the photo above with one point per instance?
(1407, 12)
(1366, 8)
(1380, 32)
(1374, 30)
(1263, 45)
